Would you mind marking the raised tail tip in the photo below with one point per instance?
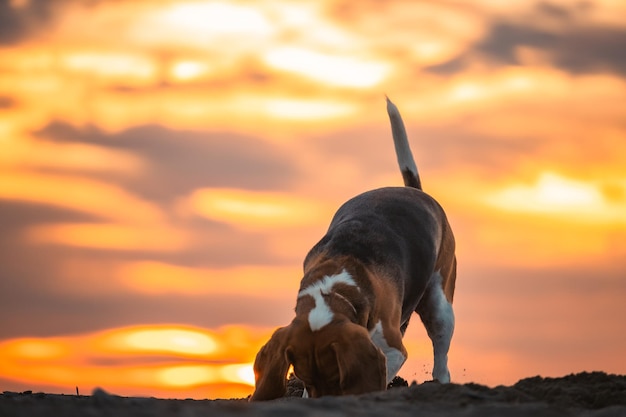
(391, 108)
(403, 150)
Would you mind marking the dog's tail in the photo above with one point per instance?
(403, 150)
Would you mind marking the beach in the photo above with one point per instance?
(582, 394)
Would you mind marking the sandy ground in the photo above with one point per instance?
(586, 394)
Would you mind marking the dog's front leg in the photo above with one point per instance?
(390, 342)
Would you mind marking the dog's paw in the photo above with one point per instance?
(398, 382)
(295, 387)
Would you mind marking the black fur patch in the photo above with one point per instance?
(410, 180)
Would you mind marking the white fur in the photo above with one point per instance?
(439, 323)
(321, 314)
(395, 358)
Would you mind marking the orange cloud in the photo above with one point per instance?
(93, 197)
(111, 67)
(257, 210)
(161, 278)
(128, 221)
(26, 153)
(110, 236)
(174, 360)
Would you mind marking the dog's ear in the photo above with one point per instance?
(271, 366)
(362, 365)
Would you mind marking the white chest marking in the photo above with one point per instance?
(321, 314)
(395, 358)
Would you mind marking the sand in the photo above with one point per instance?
(586, 394)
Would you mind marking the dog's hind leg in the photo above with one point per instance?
(438, 317)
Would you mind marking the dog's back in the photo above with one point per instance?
(395, 229)
(400, 229)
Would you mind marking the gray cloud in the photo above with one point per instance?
(35, 313)
(577, 50)
(574, 44)
(180, 161)
(7, 102)
(542, 297)
(31, 289)
(16, 215)
(434, 148)
(559, 12)
(25, 264)
(17, 23)
(444, 148)
(453, 66)
(31, 282)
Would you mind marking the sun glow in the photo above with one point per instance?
(330, 69)
(170, 340)
(202, 24)
(215, 18)
(126, 360)
(239, 372)
(467, 92)
(188, 375)
(189, 70)
(35, 349)
(553, 194)
(119, 67)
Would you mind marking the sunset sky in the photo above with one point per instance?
(166, 165)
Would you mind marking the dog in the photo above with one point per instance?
(387, 253)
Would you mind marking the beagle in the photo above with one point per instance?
(387, 253)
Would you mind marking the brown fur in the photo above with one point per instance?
(340, 358)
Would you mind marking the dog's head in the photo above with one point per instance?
(338, 359)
